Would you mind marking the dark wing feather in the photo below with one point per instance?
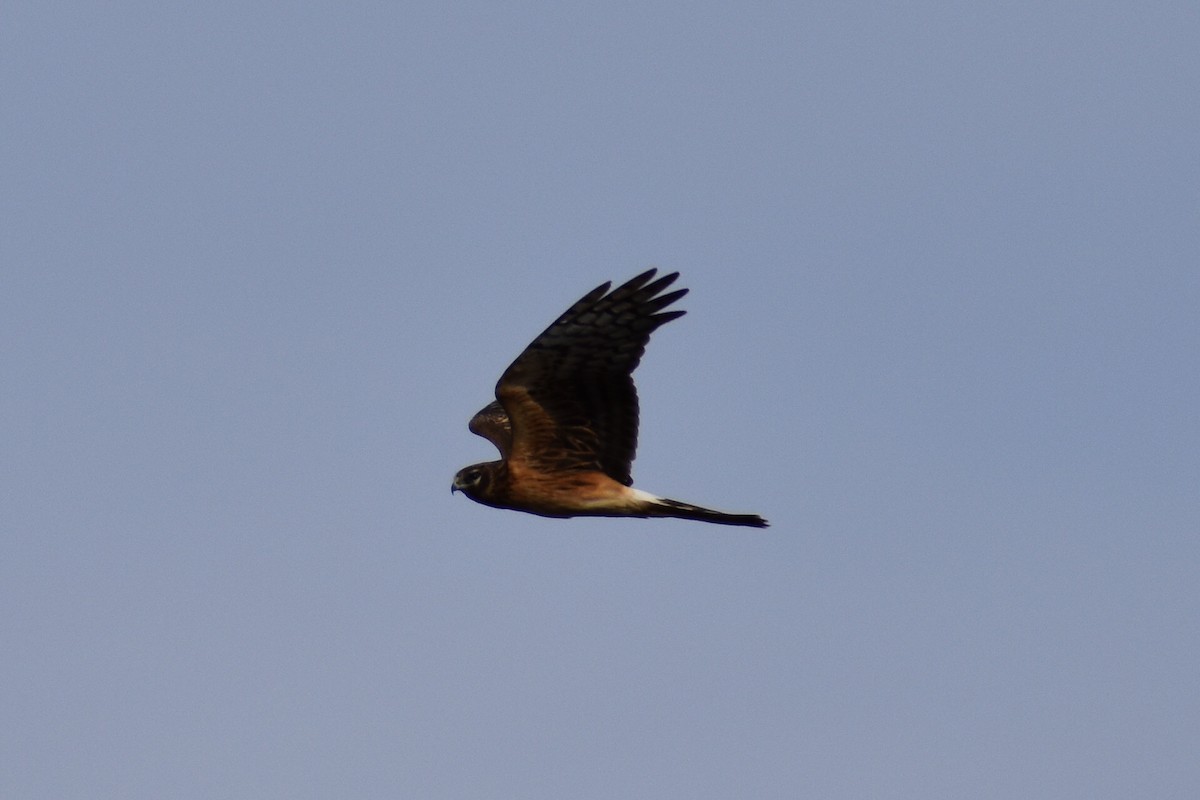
(570, 395)
(492, 424)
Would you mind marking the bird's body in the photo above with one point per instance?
(565, 418)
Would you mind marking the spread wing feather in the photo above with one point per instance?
(491, 422)
(570, 395)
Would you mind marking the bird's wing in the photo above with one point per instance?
(570, 395)
(492, 423)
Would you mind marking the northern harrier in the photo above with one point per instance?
(566, 414)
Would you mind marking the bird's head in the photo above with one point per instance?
(471, 481)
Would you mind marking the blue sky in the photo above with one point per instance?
(261, 263)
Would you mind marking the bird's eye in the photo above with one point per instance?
(474, 476)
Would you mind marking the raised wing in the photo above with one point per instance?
(570, 395)
(492, 424)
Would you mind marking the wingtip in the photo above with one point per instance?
(643, 280)
(663, 282)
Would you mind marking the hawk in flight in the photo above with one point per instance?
(566, 414)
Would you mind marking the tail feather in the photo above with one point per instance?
(674, 508)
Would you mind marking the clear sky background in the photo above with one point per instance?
(262, 261)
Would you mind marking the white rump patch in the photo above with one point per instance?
(638, 494)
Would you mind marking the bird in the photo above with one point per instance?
(565, 417)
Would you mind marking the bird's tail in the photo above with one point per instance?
(674, 508)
